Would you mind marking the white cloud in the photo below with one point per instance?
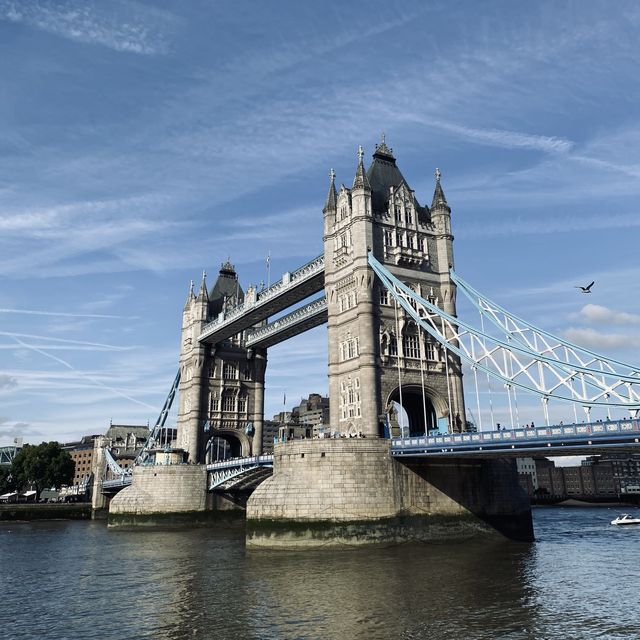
(592, 339)
(598, 314)
(122, 26)
(504, 138)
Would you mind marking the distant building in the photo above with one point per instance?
(81, 453)
(550, 478)
(125, 441)
(313, 413)
(310, 419)
(527, 474)
(606, 477)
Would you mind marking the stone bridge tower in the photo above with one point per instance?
(221, 386)
(377, 356)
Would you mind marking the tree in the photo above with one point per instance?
(7, 483)
(42, 466)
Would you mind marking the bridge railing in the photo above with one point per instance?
(595, 429)
(292, 318)
(240, 462)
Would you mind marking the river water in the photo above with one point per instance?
(79, 580)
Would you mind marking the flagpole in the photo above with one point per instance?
(269, 269)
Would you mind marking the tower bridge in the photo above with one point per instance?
(394, 339)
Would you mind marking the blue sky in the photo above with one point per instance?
(141, 142)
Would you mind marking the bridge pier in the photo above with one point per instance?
(352, 492)
(161, 494)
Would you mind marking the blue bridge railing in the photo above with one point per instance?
(551, 439)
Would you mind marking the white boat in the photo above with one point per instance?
(625, 518)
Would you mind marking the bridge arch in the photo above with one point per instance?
(414, 407)
(238, 443)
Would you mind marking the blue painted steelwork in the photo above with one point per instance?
(117, 484)
(557, 440)
(513, 362)
(227, 471)
(154, 436)
(520, 327)
(7, 454)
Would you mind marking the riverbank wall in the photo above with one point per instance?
(48, 511)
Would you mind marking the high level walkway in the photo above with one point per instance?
(291, 289)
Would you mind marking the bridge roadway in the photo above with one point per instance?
(559, 440)
(291, 289)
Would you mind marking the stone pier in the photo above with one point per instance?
(352, 492)
(161, 494)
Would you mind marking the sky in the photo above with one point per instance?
(142, 142)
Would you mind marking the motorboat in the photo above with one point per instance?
(625, 518)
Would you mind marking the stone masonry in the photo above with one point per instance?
(350, 491)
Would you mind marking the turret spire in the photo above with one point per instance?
(361, 181)
(439, 199)
(202, 294)
(332, 196)
(190, 295)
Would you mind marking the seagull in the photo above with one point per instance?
(586, 289)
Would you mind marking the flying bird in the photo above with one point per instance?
(586, 289)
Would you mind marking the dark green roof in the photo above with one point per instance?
(382, 174)
(226, 286)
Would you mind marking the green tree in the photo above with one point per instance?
(7, 483)
(42, 466)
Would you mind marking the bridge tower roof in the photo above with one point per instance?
(382, 174)
(226, 287)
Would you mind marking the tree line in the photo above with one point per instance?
(40, 466)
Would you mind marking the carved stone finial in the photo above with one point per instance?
(383, 141)
(332, 175)
(438, 175)
(360, 153)
(204, 274)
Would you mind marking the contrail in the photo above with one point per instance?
(83, 375)
(33, 312)
(64, 340)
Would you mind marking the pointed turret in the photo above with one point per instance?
(332, 196)
(203, 296)
(190, 296)
(439, 199)
(361, 181)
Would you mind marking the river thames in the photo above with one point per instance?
(79, 580)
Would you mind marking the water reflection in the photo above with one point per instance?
(412, 591)
(63, 580)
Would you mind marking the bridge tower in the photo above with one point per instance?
(376, 354)
(221, 385)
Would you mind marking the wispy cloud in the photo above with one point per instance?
(7, 382)
(82, 374)
(596, 340)
(599, 314)
(500, 137)
(62, 314)
(121, 26)
(517, 225)
(65, 341)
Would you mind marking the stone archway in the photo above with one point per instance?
(225, 444)
(414, 406)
